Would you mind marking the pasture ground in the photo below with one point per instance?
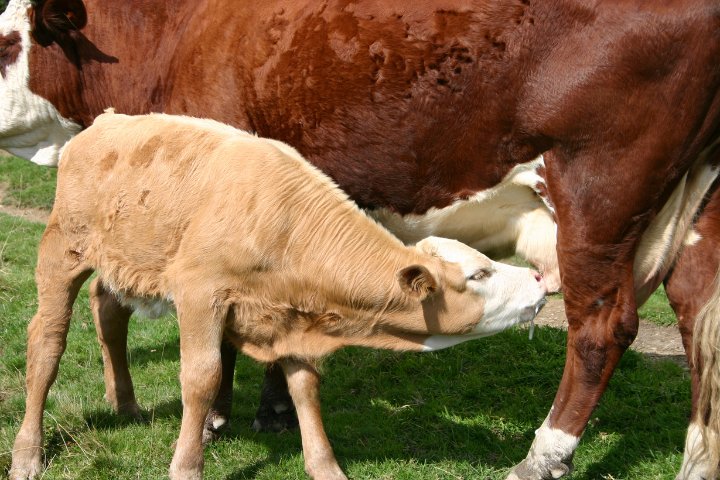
(465, 412)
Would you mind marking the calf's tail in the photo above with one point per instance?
(706, 354)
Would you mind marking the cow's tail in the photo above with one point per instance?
(706, 354)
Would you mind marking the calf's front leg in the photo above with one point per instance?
(200, 369)
(303, 382)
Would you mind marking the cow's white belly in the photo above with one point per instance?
(510, 217)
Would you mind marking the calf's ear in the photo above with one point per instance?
(417, 281)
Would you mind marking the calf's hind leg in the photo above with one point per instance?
(111, 324)
(59, 276)
(303, 382)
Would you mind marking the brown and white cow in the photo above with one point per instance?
(250, 242)
(606, 110)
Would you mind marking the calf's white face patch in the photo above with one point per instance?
(512, 294)
(30, 126)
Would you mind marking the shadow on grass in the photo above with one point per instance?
(250, 471)
(479, 403)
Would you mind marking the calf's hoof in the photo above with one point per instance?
(276, 417)
(131, 411)
(215, 424)
(328, 470)
(186, 465)
(184, 474)
(26, 463)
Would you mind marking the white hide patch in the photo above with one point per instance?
(147, 307)
(30, 126)
(512, 294)
(670, 229)
(692, 238)
(509, 217)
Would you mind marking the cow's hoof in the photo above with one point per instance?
(215, 424)
(279, 417)
(546, 469)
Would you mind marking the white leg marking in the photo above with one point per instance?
(550, 454)
(696, 465)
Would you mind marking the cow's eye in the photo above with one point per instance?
(482, 274)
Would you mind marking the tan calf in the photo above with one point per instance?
(248, 241)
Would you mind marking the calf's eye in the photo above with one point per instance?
(481, 274)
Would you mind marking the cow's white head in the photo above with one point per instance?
(30, 126)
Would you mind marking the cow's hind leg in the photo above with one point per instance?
(59, 276)
(304, 384)
(201, 331)
(689, 287)
(219, 415)
(111, 323)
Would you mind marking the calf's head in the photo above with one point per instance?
(469, 296)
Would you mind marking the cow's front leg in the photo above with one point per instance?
(304, 384)
(596, 249)
(689, 287)
(594, 346)
(276, 411)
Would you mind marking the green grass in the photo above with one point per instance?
(28, 185)
(657, 309)
(466, 412)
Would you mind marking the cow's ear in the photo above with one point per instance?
(60, 16)
(417, 281)
(56, 20)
